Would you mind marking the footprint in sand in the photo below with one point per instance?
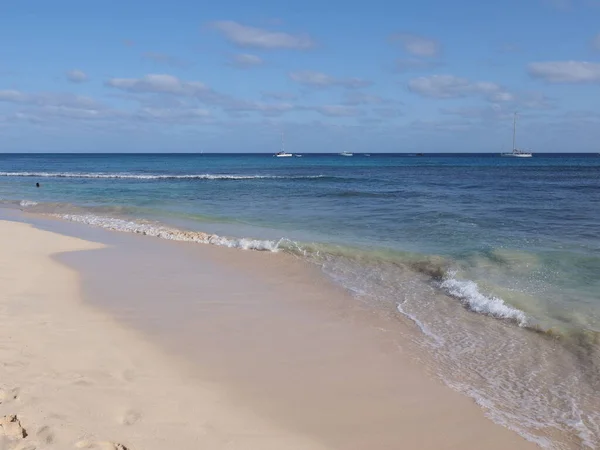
(45, 435)
(130, 417)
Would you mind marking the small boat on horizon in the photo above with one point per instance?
(516, 153)
(282, 153)
(346, 154)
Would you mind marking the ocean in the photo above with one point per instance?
(495, 260)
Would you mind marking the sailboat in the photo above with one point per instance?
(516, 153)
(282, 153)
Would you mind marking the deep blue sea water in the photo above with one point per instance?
(496, 260)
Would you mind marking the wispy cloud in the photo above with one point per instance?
(387, 112)
(49, 99)
(321, 80)
(158, 83)
(76, 76)
(278, 96)
(163, 58)
(418, 45)
(246, 61)
(248, 36)
(337, 110)
(576, 72)
(450, 86)
(190, 93)
(172, 115)
(356, 98)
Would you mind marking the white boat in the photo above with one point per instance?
(346, 154)
(283, 153)
(298, 156)
(516, 153)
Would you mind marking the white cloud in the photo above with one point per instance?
(159, 83)
(172, 115)
(337, 110)
(247, 36)
(64, 112)
(501, 96)
(387, 113)
(265, 109)
(163, 58)
(496, 110)
(361, 98)
(418, 45)
(321, 80)
(566, 71)
(76, 76)
(278, 95)
(488, 112)
(49, 99)
(449, 86)
(188, 93)
(158, 115)
(245, 60)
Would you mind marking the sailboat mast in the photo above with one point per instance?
(514, 131)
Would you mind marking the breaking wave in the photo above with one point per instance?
(26, 203)
(135, 176)
(172, 234)
(468, 293)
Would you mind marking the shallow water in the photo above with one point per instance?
(495, 259)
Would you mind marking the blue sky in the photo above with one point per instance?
(230, 76)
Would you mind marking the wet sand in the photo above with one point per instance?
(291, 356)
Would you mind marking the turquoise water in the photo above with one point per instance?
(496, 260)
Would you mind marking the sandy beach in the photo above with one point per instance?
(112, 356)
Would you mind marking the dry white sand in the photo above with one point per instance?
(70, 377)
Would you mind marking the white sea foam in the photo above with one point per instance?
(26, 203)
(439, 341)
(135, 176)
(173, 234)
(519, 424)
(469, 294)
